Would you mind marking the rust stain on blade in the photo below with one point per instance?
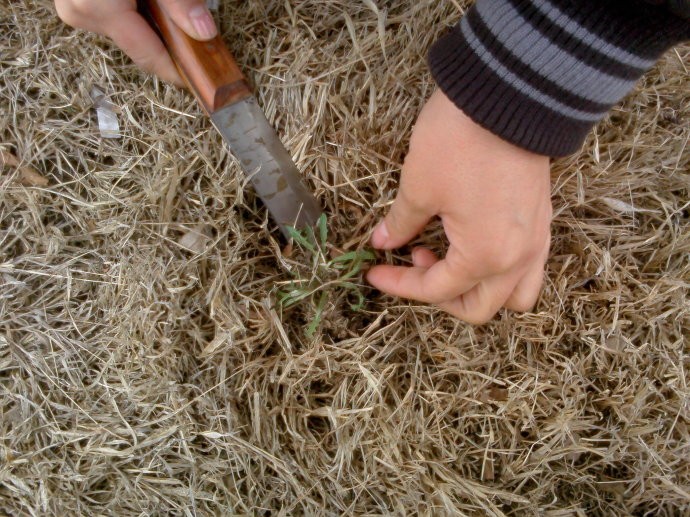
(269, 166)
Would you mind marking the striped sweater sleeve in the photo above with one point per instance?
(541, 73)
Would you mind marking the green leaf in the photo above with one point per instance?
(289, 291)
(323, 231)
(357, 255)
(317, 316)
(345, 257)
(360, 301)
(309, 234)
(289, 298)
(300, 239)
(354, 270)
(352, 255)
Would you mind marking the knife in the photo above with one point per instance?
(214, 77)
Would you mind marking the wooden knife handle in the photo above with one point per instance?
(207, 67)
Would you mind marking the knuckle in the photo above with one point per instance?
(434, 296)
(495, 258)
(478, 317)
(471, 312)
(525, 300)
(394, 222)
(411, 201)
(77, 13)
(465, 260)
(521, 305)
(501, 259)
(145, 61)
(82, 7)
(508, 250)
(403, 207)
(67, 12)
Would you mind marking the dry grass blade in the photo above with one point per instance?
(143, 366)
(28, 176)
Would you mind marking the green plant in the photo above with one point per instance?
(322, 278)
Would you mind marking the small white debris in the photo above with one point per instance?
(108, 124)
(212, 5)
(212, 435)
(622, 206)
(197, 239)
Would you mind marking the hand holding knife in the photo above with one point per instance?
(212, 74)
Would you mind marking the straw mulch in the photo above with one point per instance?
(144, 366)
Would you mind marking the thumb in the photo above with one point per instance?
(193, 17)
(405, 219)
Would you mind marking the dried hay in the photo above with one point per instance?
(144, 369)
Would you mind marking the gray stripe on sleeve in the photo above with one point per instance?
(546, 59)
(557, 17)
(507, 76)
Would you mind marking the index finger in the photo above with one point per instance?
(443, 281)
(132, 33)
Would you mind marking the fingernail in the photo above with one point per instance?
(380, 235)
(203, 22)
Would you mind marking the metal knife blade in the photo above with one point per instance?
(212, 74)
(267, 163)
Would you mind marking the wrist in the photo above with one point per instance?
(540, 73)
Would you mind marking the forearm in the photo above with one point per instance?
(541, 73)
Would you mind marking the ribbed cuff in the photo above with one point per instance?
(541, 73)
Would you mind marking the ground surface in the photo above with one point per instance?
(145, 371)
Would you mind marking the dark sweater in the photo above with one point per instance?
(541, 73)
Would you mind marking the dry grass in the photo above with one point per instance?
(145, 372)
